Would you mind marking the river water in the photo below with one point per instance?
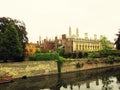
(98, 79)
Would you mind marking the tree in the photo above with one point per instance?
(11, 47)
(105, 51)
(117, 42)
(19, 26)
(61, 51)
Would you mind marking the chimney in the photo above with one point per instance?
(55, 38)
(70, 32)
(64, 36)
(39, 42)
(95, 37)
(86, 35)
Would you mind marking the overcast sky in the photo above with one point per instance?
(53, 17)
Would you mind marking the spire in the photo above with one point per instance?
(77, 32)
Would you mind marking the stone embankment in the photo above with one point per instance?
(39, 68)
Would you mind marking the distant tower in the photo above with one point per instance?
(70, 32)
(95, 37)
(77, 32)
(86, 35)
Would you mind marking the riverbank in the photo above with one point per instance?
(77, 80)
(39, 68)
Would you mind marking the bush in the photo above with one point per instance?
(85, 54)
(1, 61)
(67, 55)
(44, 56)
(110, 59)
(117, 59)
(80, 54)
(74, 55)
(79, 64)
(116, 52)
(61, 58)
(96, 61)
(89, 61)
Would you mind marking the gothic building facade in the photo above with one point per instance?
(73, 43)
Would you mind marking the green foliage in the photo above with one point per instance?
(115, 53)
(110, 59)
(117, 59)
(44, 56)
(95, 54)
(1, 61)
(74, 55)
(91, 55)
(117, 42)
(95, 61)
(21, 30)
(105, 44)
(59, 63)
(68, 55)
(80, 54)
(89, 61)
(106, 49)
(85, 54)
(61, 58)
(10, 46)
(61, 51)
(79, 64)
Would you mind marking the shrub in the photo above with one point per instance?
(80, 54)
(96, 61)
(89, 61)
(59, 63)
(1, 61)
(85, 54)
(79, 64)
(117, 59)
(110, 59)
(44, 56)
(74, 55)
(61, 58)
(67, 55)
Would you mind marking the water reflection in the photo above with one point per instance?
(99, 79)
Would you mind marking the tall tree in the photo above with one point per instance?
(117, 41)
(106, 49)
(20, 27)
(104, 43)
(11, 47)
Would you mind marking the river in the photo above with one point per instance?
(97, 79)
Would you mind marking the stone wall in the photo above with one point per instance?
(70, 65)
(32, 68)
(38, 68)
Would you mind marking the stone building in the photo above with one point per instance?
(73, 43)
